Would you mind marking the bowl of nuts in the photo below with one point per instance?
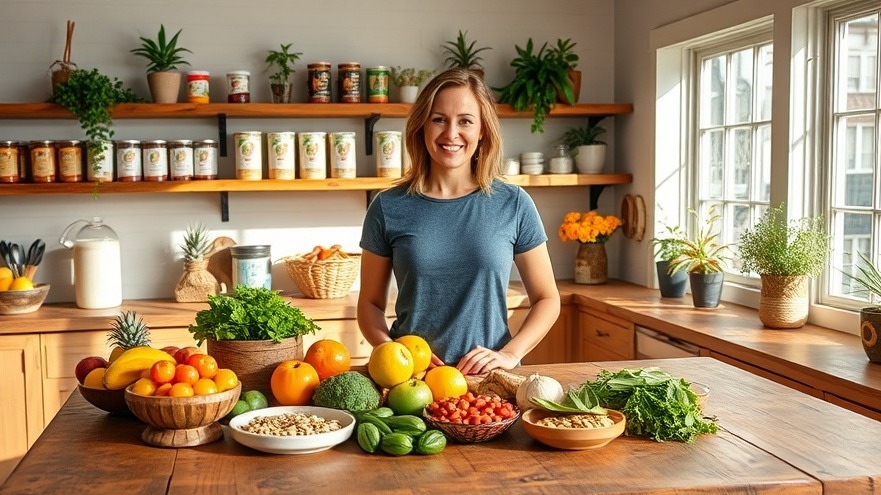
(471, 418)
(573, 431)
(292, 429)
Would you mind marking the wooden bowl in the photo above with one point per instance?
(19, 302)
(182, 421)
(572, 438)
(112, 401)
(471, 433)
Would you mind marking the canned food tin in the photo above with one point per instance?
(205, 159)
(251, 266)
(342, 155)
(281, 147)
(128, 161)
(9, 166)
(249, 156)
(313, 155)
(349, 82)
(318, 82)
(388, 154)
(100, 165)
(377, 84)
(42, 161)
(197, 86)
(180, 157)
(155, 160)
(238, 86)
(70, 161)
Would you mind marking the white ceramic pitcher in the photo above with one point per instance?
(97, 268)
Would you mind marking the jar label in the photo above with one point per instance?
(205, 161)
(388, 154)
(100, 167)
(128, 162)
(377, 85)
(9, 162)
(342, 155)
(198, 88)
(350, 85)
(70, 162)
(318, 85)
(43, 162)
(237, 83)
(249, 156)
(155, 162)
(255, 272)
(313, 155)
(181, 161)
(281, 150)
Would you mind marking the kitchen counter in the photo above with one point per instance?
(772, 440)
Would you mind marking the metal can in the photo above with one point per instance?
(42, 161)
(349, 82)
(180, 158)
(238, 86)
(155, 160)
(128, 161)
(342, 155)
(197, 86)
(205, 159)
(387, 147)
(377, 84)
(281, 152)
(318, 82)
(251, 266)
(9, 167)
(70, 161)
(313, 155)
(249, 156)
(100, 163)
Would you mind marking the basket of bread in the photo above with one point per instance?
(324, 273)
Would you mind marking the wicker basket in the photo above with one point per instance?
(471, 433)
(325, 279)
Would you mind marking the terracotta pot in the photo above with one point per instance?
(575, 79)
(870, 325)
(253, 361)
(784, 301)
(164, 86)
(591, 264)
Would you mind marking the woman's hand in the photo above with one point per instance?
(482, 360)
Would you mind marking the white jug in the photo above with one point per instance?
(97, 269)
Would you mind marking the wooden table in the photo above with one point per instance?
(772, 440)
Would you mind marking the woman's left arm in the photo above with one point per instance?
(537, 275)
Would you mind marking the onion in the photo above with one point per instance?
(540, 386)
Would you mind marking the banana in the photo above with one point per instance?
(127, 368)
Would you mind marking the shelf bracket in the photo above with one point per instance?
(224, 206)
(369, 123)
(595, 191)
(221, 134)
(595, 119)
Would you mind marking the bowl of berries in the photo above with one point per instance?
(471, 418)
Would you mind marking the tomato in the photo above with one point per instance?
(293, 382)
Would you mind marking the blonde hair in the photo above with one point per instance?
(487, 163)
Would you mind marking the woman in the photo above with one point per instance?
(450, 230)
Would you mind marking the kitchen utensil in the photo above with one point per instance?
(4, 253)
(34, 257)
(16, 258)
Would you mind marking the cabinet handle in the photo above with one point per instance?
(602, 334)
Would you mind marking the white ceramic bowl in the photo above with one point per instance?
(532, 169)
(304, 444)
(532, 155)
(532, 161)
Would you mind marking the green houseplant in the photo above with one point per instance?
(704, 258)
(538, 77)
(868, 279)
(408, 81)
(667, 249)
(163, 56)
(587, 148)
(281, 65)
(566, 57)
(784, 255)
(460, 53)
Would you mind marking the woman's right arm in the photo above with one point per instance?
(376, 272)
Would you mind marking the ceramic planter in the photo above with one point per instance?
(870, 325)
(784, 301)
(671, 285)
(590, 158)
(409, 94)
(706, 289)
(164, 86)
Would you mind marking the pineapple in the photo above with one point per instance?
(196, 243)
(128, 331)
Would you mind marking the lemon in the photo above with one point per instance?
(5, 272)
(420, 350)
(95, 378)
(390, 364)
(5, 283)
(21, 283)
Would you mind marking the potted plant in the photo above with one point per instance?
(163, 56)
(196, 283)
(538, 77)
(668, 249)
(704, 259)
(460, 53)
(588, 150)
(281, 63)
(408, 81)
(784, 255)
(566, 57)
(868, 278)
(251, 332)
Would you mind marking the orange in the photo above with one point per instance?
(5, 282)
(205, 386)
(95, 378)
(293, 382)
(184, 373)
(181, 389)
(420, 350)
(328, 357)
(225, 379)
(204, 364)
(390, 364)
(163, 390)
(144, 386)
(162, 372)
(446, 381)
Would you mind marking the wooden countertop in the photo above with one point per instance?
(773, 440)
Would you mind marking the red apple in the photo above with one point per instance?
(170, 349)
(88, 364)
(184, 353)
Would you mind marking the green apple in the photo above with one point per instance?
(409, 397)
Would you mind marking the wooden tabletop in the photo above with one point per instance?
(772, 440)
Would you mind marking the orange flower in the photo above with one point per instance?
(588, 227)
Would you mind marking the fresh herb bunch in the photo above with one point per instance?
(460, 53)
(669, 248)
(775, 247)
(162, 55)
(253, 313)
(282, 63)
(703, 254)
(410, 76)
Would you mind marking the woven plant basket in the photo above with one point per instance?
(196, 283)
(324, 279)
(253, 361)
(784, 301)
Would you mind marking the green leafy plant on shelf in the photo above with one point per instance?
(461, 53)
(410, 76)
(162, 54)
(582, 136)
(868, 280)
(775, 247)
(281, 64)
(703, 253)
(671, 246)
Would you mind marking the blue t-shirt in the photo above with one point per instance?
(452, 261)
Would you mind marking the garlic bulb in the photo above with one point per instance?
(543, 387)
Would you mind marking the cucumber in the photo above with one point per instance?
(431, 442)
(396, 444)
(369, 437)
(406, 424)
(378, 422)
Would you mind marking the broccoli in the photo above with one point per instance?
(349, 390)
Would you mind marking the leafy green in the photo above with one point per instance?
(253, 313)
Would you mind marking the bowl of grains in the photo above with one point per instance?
(573, 431)
(292, 429)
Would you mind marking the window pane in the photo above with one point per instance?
(763, 84)
(861, 52)
(854, 170)
(742, 161)
(762, 168)
(855, 231)
(737, 220)
(712, 166)
(742, 75)
(712, 99)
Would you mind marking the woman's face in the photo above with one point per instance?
(454, 129)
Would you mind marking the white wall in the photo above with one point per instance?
(226, 35)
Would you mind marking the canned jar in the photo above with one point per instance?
(10, 171)
(205, 159)
(180, 158)
(387, 145)
(128, 161)
(238, 86)
(197, 86)
(377, 84)
(281, 150)
(318, 82)
(349, 82)
(249, 156)
(313, 155)
(155, 160)
(251, 266)
(100, 164)
(70, 161)
(342, 155)
(42, 161)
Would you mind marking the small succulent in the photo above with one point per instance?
(460, 53)
(163, 56)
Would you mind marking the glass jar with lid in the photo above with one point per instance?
(561, 161)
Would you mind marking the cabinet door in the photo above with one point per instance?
(604, 337)
(556, 347)
(21, 411)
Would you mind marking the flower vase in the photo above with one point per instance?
(591, 264)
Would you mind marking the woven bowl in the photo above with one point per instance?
(18, 302)
(471, 433)
(112, 401)
(325, 279)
